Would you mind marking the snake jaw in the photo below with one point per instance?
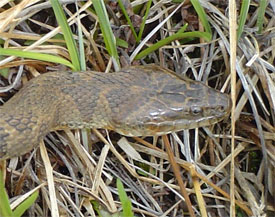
(166, 127)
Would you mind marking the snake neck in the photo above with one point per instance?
(21, 128)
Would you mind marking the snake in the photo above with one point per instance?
(144, 100)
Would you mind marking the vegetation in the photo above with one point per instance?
(205, 41)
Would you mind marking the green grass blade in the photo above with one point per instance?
(5, 209)
(106, 30)
(126, 203)
(243, 16)
(26, 204)
(202, 15)
(182, 29)
(124, 12)
(4, 72)
(171, 38)
(148, 6)
(82, 60)
(260, 18)
(121, 43)
(36, 56)
(70, 42)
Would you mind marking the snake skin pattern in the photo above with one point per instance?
(137, 101)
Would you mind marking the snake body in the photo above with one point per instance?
(137, 101)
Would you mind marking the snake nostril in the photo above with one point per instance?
(222, 108)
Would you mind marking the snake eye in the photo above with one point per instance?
(196, 110)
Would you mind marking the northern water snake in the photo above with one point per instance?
(137, 101)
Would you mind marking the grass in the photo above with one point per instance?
(189, 38)
(66, 30)
(108, 35)
(5, 206)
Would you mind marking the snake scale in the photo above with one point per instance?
(137, 101)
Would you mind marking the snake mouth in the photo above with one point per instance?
(166, 127)
(175, 126)
(160, 125)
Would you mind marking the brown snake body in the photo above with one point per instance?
(137, 101)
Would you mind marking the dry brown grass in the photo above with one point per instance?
(72, 169)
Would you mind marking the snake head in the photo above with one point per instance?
(196, 106)
(169, 103)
